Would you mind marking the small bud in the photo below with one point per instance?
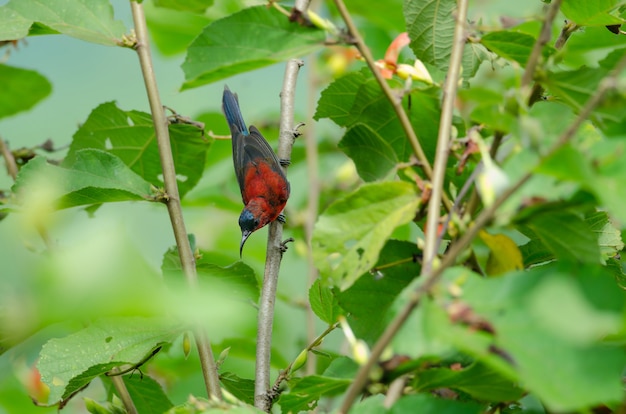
(321, 23)
(223, 356)
(491, 180)
(416, 72)
(299, 361)
(186, 344)
(360, 352)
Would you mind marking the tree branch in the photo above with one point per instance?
(566, 32)
(443, 140)
(9, 159)
(274, 247)
(542, 40)
(457, 248)
(187, 260)
(122, 392)
(395, 102)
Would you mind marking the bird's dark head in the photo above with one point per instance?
(248, 223)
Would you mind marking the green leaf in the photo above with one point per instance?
(374, 404)
(130, 136)
(93, 177)
(397, 266)
(237, 280)
(373, 156)
(305, 392)
(172, 30)
(609, 236)
(68, 364)
(387, 14)
(324, 302)
(253, 38)
(535, 252)
(430, 25)
(356, 101)
(349, 235)
(22, 89)
(551, 321)
(592, 12)
(241, 388)
(89, 20)
(424, 403)
(245, 349)
(147, 394)
(576, 87)
(339, 97)
(196, 6)
(93, 407)
(567, 235)
(13, 25)
(512, 45)
(568, 164)
(608, 184)
(478, 380)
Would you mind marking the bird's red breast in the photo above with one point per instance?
(267, 188)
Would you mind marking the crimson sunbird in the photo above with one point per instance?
(264, 187)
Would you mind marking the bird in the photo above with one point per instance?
(262, 181)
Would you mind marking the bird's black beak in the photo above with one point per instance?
(244, 236)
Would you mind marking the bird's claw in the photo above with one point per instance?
(296, 130)
(281, 218)
(284, 162)
(283, 245)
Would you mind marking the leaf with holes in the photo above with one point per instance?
(130, 136)
(68, 364)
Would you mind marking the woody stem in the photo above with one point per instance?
(187, 260)
(274, 248)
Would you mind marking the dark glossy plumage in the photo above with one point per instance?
(264, 187)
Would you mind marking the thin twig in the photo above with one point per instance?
(396, 103)
(9, 159)
(187, 260)
(396, 388)
(460, 245)
(274, 247)
(542, 40)
(443, 140)
(122, 392)
(566, 32)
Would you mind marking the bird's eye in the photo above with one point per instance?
(256, 223)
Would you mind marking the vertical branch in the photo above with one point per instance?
(542, 40)
(209, 369)
(443, 140)
(9, 159)
(122, 391)
(274, 247)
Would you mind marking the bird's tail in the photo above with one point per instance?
(230, 106)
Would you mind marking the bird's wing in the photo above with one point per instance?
(252, 149)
